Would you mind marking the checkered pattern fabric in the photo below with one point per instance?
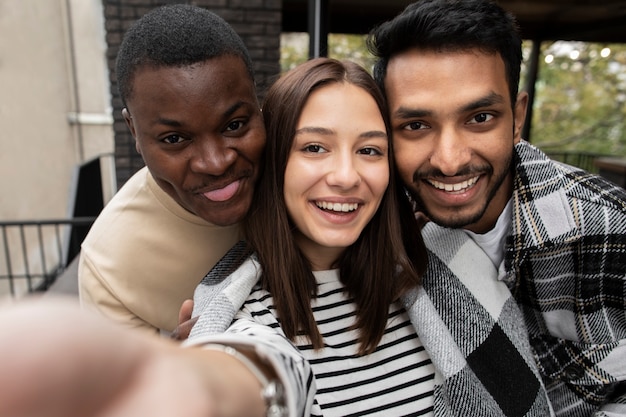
(476, 339)
(565, 263)
(474, 332)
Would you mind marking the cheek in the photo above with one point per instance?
(292, 200)
(256, 146)
(378, 180)
(166, 167)
(290, 187)
(497, 152)
(406, 160)
(255, 141)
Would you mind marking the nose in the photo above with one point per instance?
(211, 156)
(451, 153)
(344, 172)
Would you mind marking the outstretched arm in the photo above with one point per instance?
(59, 360)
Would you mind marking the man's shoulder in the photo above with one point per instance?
(138, 183)
(134, 191)
(132, 207)
(593, 191)
(538, 175)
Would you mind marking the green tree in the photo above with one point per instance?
(580, 96)
(295, 49)
(580, 102)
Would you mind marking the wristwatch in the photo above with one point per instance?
(274, 395)
(273, 392)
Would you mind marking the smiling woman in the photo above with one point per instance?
(335, 125)
(338, 247)
(337, 171)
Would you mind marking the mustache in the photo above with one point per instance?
(467, 171)
(220, 181)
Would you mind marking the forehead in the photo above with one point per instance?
(340, 103)
(446, 75)
(218, 75)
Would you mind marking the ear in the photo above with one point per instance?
(520, 111)
(131, 126)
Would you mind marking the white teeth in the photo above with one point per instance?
(454, 187)
(345, 207)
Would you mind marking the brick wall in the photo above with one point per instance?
(258, 22)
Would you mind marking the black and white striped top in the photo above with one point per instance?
(395, 380)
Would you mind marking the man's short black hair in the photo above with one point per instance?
(174, 36)
(450, 26)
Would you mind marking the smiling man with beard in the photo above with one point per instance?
(555, 234)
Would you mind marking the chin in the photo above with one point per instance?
(228, 219)
(454, 221)
(340, 243)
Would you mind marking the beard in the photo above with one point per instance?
(458, 220)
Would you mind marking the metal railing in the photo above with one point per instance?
(583, 160)
(35, 252)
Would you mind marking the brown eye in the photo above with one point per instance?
(414, 126)
(370, 151)
(313, 148)
(481, 118)
(173, 139)
(234, 125)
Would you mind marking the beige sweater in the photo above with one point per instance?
(145, 255)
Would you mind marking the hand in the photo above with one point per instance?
(185, 321)
(57, 360)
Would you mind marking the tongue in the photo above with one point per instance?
(223, 194)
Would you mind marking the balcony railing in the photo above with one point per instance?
(583, 160)
(36, 252)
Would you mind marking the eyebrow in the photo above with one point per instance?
(167, 122)
(327, 132)
(373, 134)
(314, 130)
(228, 113)
(408, 113)
(486, 101)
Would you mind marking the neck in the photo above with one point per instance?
(321, 258)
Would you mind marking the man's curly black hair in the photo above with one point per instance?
(175, 35)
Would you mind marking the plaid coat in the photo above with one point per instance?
(565, 262)
(465, 318)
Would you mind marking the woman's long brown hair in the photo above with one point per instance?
(388, 258)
